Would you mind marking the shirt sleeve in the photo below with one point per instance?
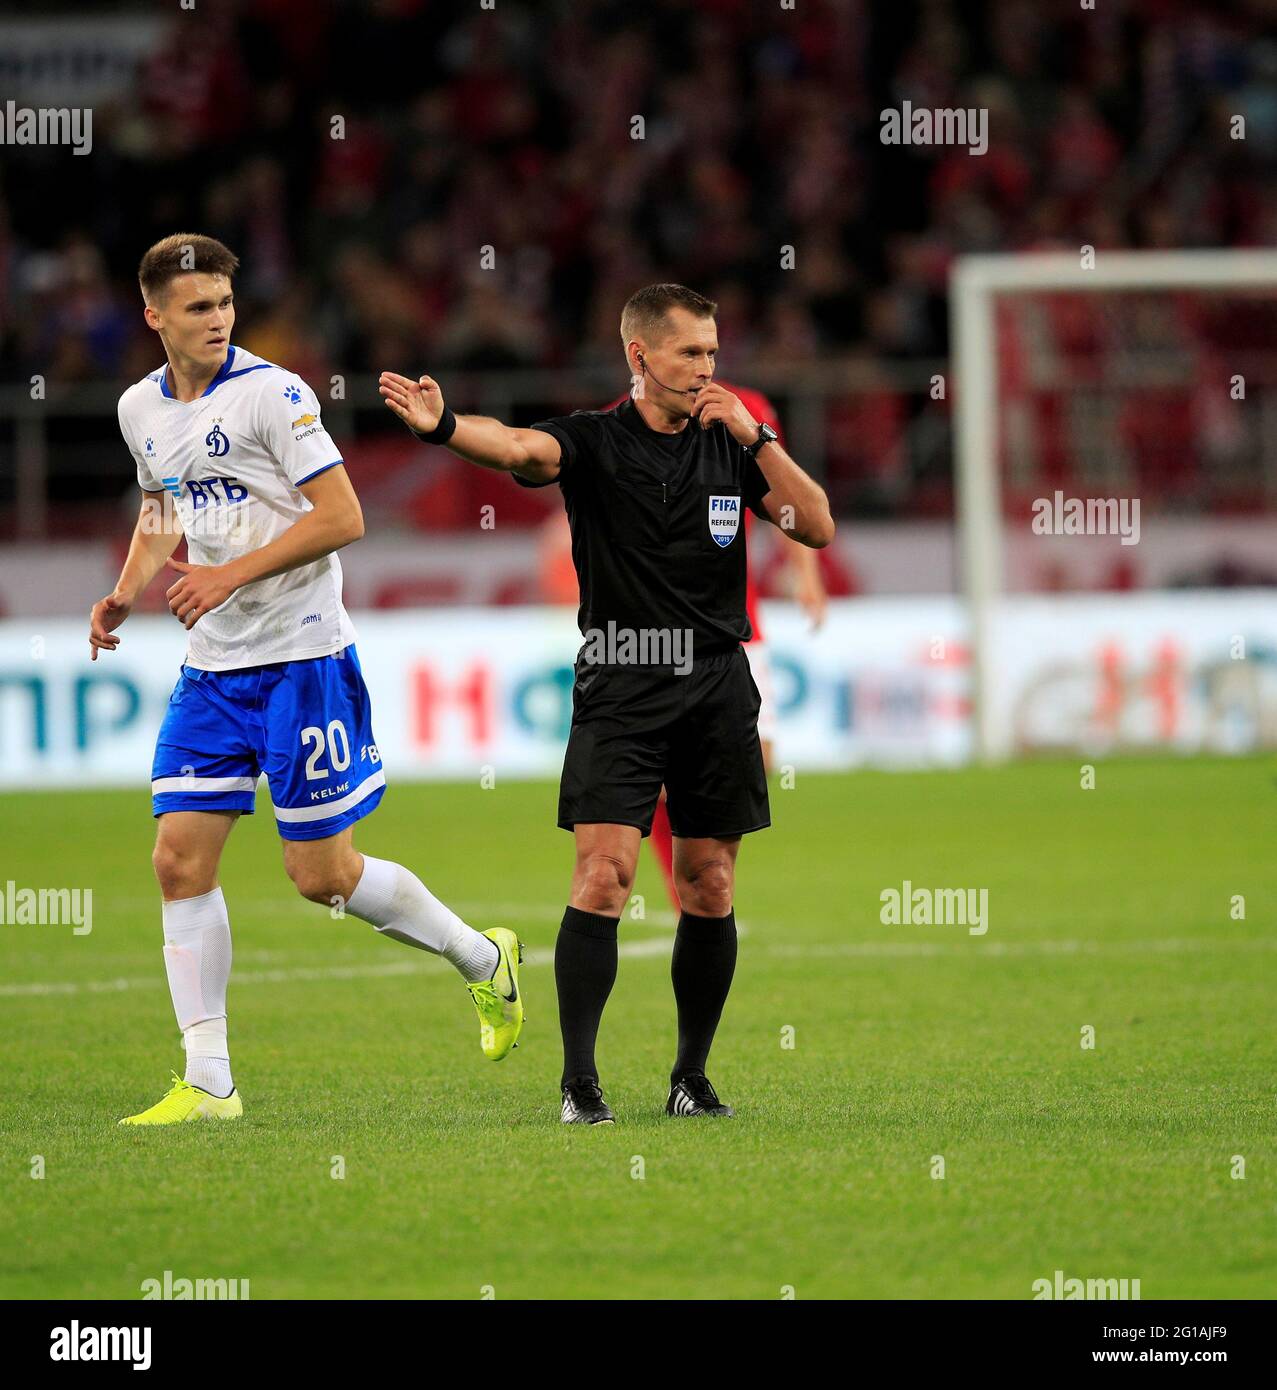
(146, 479)
(754, 486)
(570, 431)
(290, 427)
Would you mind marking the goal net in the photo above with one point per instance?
(1115, 431)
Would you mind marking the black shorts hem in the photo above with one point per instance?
(644, 830)
(720, 834)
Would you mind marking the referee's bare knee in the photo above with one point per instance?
(601, 882)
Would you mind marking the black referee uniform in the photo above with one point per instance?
(658, 542)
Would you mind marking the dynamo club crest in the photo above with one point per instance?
(724, 519)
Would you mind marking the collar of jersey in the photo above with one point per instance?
(222, 373)
(629, 416)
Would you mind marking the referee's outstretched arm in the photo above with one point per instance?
(419, 404)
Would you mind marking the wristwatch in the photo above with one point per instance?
(766, 435)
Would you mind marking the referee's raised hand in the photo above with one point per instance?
(715, 402)
(419, 404)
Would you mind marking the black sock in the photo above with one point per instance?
(584, 972)
(702, 968)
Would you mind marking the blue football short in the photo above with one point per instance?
(306, 724)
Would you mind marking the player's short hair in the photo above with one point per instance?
(180, 254)
(645, 313)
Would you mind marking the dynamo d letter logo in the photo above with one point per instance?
(218, 444)
(724, 518)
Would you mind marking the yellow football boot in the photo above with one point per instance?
(498, 1001)
(186, 1102)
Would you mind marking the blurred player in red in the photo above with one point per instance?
(558, 585)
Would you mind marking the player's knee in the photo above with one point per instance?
(181, 874)
(603, 884)
(321, 871)
(314, 881)
(706, 889)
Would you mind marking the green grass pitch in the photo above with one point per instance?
(1109, 907)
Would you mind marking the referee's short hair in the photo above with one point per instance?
(645, 313)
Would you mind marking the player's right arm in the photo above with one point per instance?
(532, 454)
(155, 538)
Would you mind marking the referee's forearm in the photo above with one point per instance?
(795, 501)
(487, 442)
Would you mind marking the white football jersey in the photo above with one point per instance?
(233, 460)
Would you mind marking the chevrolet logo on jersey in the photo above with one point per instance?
(303, 420)
(724, 519)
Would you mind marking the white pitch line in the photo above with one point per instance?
(525, 912)
(973, 947)
(471, 911)
(638, 950)
(542, 956)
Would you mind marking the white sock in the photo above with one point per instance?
(208, 1062)
(197, 957)
(398, 904)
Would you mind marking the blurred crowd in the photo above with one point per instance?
(512, 128)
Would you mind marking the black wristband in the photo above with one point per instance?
(442, 432)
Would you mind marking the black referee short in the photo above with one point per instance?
(635, 728)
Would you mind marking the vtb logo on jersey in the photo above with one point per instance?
(218, 444)
(203, 492)
(724, 519)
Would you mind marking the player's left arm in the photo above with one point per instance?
(335, 519)
(809, 583)
(793, 501)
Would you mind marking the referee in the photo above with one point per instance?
(655, 490)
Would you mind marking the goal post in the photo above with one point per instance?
(975, 284)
